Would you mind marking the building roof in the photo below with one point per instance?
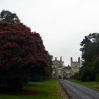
(67, 67)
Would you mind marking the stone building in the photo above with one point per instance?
(61, 71)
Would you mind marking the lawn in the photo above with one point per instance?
(91, 84)
(36, 90)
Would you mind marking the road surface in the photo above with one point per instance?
(77, 91)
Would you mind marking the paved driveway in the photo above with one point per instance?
(77, 91)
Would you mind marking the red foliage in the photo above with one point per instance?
(20, 51)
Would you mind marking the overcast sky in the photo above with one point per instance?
(62, 24)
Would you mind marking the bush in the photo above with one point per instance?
(21, 51)
(97, 77)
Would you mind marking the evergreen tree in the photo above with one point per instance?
(8, 16)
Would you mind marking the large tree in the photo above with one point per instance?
(9, 16)
(39, 71)
(90, 52)
(21, 53)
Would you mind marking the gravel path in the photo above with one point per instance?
(63, 92)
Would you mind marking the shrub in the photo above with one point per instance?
(97, 77)
(21, 51)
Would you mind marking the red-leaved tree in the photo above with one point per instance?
(21, 51)
(39, 71)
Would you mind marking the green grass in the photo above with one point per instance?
(91, 84)
(36, 90)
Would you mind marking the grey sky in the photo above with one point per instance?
(62, 24)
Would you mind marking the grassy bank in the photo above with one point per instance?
(35, 90)
(89, 84)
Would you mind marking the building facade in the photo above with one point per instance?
(61, 71)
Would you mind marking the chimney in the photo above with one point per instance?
(71, 59)
(61, 58)
(55, 58)
(79, 59)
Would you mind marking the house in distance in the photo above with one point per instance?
(61, 71)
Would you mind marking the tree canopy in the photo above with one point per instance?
(8, 16)
(90, 54)
(22, 54)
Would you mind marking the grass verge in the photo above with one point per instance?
(91, 84)
(36, 90)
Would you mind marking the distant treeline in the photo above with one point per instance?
(89, 70)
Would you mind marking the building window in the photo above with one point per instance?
(67, 71)
(75, 66)
(59, 71)
(53, 72)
